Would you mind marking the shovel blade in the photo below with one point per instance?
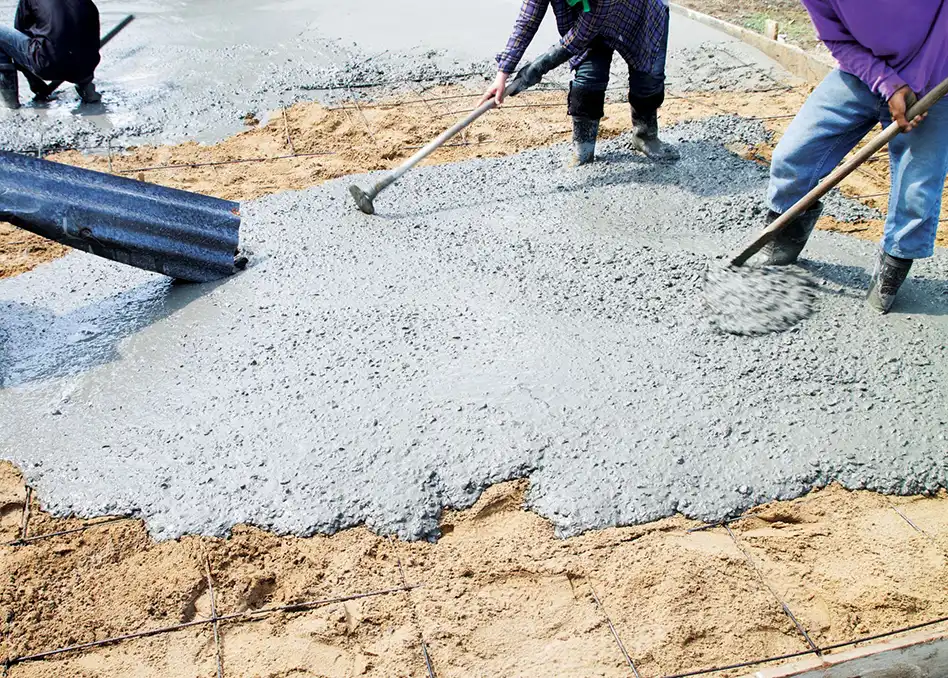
(183, 235)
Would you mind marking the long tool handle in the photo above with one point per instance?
(53, 86)
(446, 136)
(824, 187)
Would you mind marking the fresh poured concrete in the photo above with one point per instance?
(498, 319)
(193, 70)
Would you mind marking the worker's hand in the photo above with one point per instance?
(899, 105)
(497, 90)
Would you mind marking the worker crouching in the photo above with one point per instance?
(56, 40)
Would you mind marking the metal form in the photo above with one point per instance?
(805, 653)
(179, 234)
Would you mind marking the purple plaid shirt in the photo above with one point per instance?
(633, 28)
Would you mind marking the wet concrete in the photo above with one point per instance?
(499, 319)
(193, 70)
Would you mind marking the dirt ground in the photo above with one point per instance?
(351, 139)
(498, 595)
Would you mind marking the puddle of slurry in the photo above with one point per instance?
(37, 343)
(498, 319)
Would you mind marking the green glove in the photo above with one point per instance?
(573, 3)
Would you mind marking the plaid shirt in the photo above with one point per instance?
(633, 28)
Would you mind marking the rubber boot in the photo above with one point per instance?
(585, 132)
(9, 86)
(41, 90)
(786, 247)
(88, 94)
(889, 274)
(645, 129)
(587, 108)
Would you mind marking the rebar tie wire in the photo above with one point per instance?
(246, 616)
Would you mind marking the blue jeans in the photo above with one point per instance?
(15, 46)
(839, 113)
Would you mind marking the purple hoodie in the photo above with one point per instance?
(886, 43)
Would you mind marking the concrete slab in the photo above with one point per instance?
(499, 319)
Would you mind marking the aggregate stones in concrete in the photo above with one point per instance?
(190, 71)
(499, 319)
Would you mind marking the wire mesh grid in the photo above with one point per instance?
(406, 589)
(354, 106)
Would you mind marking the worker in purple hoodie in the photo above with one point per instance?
(889, 53)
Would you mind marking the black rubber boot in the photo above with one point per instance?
(645, 129)
(587, 108)
(88, 93)
(39, 87)
(585, 132)
(889, 274)
(9, 86)
(785, 249)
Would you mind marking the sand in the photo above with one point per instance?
(499, 595)
(396, 125)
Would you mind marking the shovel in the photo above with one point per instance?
(833, 180)
(365, 199)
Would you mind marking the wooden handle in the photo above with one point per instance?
(445, 136)
(833, 180)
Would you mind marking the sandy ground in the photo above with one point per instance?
(497, 595)
(353, 139)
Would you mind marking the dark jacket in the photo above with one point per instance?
(64, 37)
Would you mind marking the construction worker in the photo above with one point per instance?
(889, 54)
(592, 31)
(51, 40)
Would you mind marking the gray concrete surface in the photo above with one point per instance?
(499, 319)
(192, 70)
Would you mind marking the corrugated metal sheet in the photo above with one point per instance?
(182, 235)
